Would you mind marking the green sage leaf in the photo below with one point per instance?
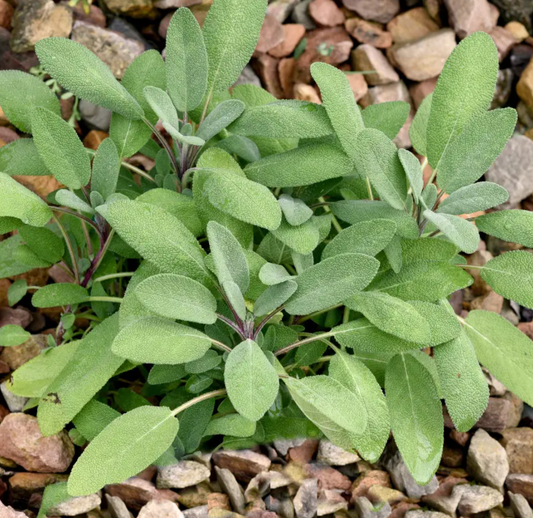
(388, 117)
(473, 198)
(59, 294)
(459, 231)
(510, 225)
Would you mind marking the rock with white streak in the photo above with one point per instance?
(331, 454)
(185, 473)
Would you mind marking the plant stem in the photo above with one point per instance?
(75, 270)
(138, 171)
(265, 320)
(105, 299)
(334, 221)
(369, 189)
(76, 215)
(468, 266)
(164, 143)
(231, 324)
(294, 345)
(98, 259)
(113, 276)
(316, 313)
(221, 346)
(199, 399)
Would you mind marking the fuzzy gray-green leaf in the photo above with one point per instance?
(59, 294)
(69, 199)
(473, 198)
(413, 170)
(106, 167)
(273, 297)
(303, 239)
(388, 117)
(21, 158)
(459, 231)
(219, 118)
(418, 129)
(162, 105)
(510, 225)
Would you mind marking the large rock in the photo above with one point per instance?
(521, 484)
(377, 10)
(366, 58)
(22, 441)
(519, 506)
(468, 16)
(112, 48)
(487, 460)
(411, 25)
(513, 169)
(14, 403)
(326, 13)
(18, 355)
(185, 473)
(518, 443)
(133, 8)
(76, 506)
(424, 58)
(37, 19)
(476, 499)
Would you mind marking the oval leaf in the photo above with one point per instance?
(59, 294)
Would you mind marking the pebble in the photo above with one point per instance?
(306, 499)
(248, 77)
(6, 14)
(19, 316)
(468, 16)
(232, 488)
(175, 4)
(377, 10)
(160, 509)
(419, 91)
(513, 169)
(244, 464)
(326, 13)
(283, 445)
(330, 502)
(331, 454)
(503, 89)
(292, 34)
(444, 499)
(504, 41)
(522, 484)
(328, 477)
(358, 85)
(385, 93)
(300, 14)
(303, 92)
(418, 513)
(487, 460)
(305, 451)
(18, 355)
(411, 25)
(519, 506)
(518, 444)
(282, 9)
(200, 511)
(364, 482)
(368, 32)
(424, 58)
(267, 69)
(75, 506)
(132, 8)
(116, 51)
(379, 494)
(185, 473)
(34, 20)
(367, 58)
(271, 35)
(24, 484)
(491, 301)
(95, 15)
(476, 499)
(518, 31)
(117, 508)
(14, 403)
(9, 512)
(366, 509)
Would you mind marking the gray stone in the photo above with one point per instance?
(117, 508)
(419, 513)
(76, 505)
(185, 473)
(300, 14)
(519, 10)
(513, 169)
(402, 479)
(248, 77)
(487, 460)
(14, 403)
(475, 499)
(34, 20)
(306, 499)
(116, 51)
(366, 509)
(160, 509)
(519, 505)
(95, 116)
(232, 488)
(200, 511)
(335, 456)
(128, 31)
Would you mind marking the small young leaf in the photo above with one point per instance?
(228, 256)
(304, 165)
(463, 383)
(60, 148)
(17, 291)
(186, 61)
(459, 231)
(106, 167)
(296, 212)
(184, 139)
(504, 350)
(232, 424)
(473, 198)
(69, 199)
(367, 237)
(177, 297)
(284, 119)
(221, 117)
(418, 129)
(331, 281)
(243, 147)
(413, 170)
(388, 117)
(273, 297)
(235, 298)
(271, 274)
(159, 341)
(302, 239)
(162, 105)
(59, 294)
(511, 275)
(20, 94)
(81, 72)
(510, 225)
(416, 415)
(231, 31)
(465, 88)
(19, 202)
(243, 199)
(11, 335)
(251, 380)
(21, 158)
(125, 447)
(93, 418)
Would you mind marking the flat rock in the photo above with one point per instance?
(367, 58)
(132, 8)
(411, 25)
(117, 508)
(519, 506)
(330, 502)
(116, 51)
(232, 488)
(368, 32)
(185, 473)
(76, 505)
(326, 13)
(521, 484)
(306, 499)
(23, 484)
(366, 509)
(331, 454)
(377, 10)
(328, 477)
(22, 441)
(468, 16)
(271, 34)
(160, 509)
(34, 20)
(518, 444)
(368, 479)
(487, 460)
(200, 511)
(424, 58)
(513, 169)
(292, 34)
(476, 499)
(444, 499)
(18, 355)
(244, 464)
(14, 403)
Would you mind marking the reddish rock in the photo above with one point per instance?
(385, 93)
(377, 10)
(366, 58)
(23, 485)
(137, 492)
(419, 91)
(244, 464)
(22, 441)
(163, 25)
(491, 301)
(94, 138)
(218, 501)
(292, 34)
(504, 41)
(368, 32)
(399, 510)
(364, 482)
(19, 317)
(266, 68)
(326, 13)
(271, 35)
(412, 25)
(328, 477)
(18, 355)
(358, 85)
(460, 438)
(443, 500)
(521, 484)
(6, 14)
(286, 71)
(7, 135)
(468, 16)
(526, 328)
(94, 16)
(518, 443)
(303, 92)
(306, 451)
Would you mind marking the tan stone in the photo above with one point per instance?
(491, 301)
(244, 464)
(6, 14)
(4, 287)
(306, 451)
(18, 355)
(468, 16)
(364, 482)
(132, 8)
(328, 477)
(23, 485)
(368, 32)
(358, 85)
(218, 501)
(303, 92)
(94, 138)
(271, 35)
(379, 494)
(292, 34)
(526, 328)
(267, 68)
(504, 41)
(367, 58)
(285, 72)
(419, 91)
(518, 31)
(518, 443)
(326, 13)
(385, 93)
(377, 10)
(411, 25)
(424, 58)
